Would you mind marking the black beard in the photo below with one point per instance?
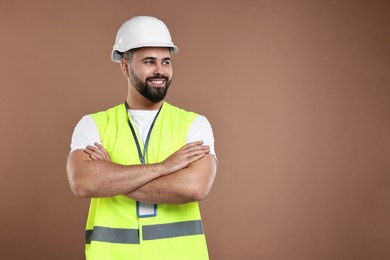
(153, 94)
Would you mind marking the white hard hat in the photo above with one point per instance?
(141, 31)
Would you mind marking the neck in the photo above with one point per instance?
(141, 103)
(153, 106)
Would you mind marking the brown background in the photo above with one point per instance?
(297, 92)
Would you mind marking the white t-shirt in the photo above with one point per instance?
(87, 133)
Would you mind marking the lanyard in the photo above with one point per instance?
(140, 154)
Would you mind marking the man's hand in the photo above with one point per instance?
(186, 155)
(97, 152)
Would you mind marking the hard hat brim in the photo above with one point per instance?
(117, 55)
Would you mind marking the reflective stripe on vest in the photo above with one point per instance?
(112, 235)
(178, 229)
(149, 232)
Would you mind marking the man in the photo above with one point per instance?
(145, 164)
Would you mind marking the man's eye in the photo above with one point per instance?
(148, 62)
(166, 62)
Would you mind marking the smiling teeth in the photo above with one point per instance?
(157, 81)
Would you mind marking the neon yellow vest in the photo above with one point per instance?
(114, 231)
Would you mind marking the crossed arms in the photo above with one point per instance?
(185, 176)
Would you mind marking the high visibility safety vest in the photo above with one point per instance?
(114, 230)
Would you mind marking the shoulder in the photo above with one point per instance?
(109, 112)
(201, 127)
(85, 133)
(179, 113)
(197, 119)
(85, 122)
(202, 121)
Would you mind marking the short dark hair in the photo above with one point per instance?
(128, 55)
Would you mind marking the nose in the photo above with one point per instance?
(158, 71)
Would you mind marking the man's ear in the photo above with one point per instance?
(124, 67)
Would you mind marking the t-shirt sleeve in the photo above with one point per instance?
(201, 130)
(85, 133)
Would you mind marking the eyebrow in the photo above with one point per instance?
(154, 58)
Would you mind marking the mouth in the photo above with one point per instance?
(157, 82)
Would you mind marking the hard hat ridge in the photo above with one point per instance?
(141, 31)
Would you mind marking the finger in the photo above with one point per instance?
(89, 152)
(106, 156)
(98, 156)
(197, 143)
(99, 146)
(103, 151)
(96, 153)
(90, 155)
(195, 158)
(91, 148)
(190, 146)
(93, 157)
(199, 148)
(200, 151)
(193, 149)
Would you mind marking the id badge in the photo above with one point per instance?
(146, 210)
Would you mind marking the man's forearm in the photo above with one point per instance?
(98, 178)
(192, 183)
(163, 191)
(91, 174)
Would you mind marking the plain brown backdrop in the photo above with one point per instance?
(298, 93)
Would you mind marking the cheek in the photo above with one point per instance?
(146, 73)
(169, 71)
(140, 74)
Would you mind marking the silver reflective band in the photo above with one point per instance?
(112, 235)
(150, 232)
(178, 229)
